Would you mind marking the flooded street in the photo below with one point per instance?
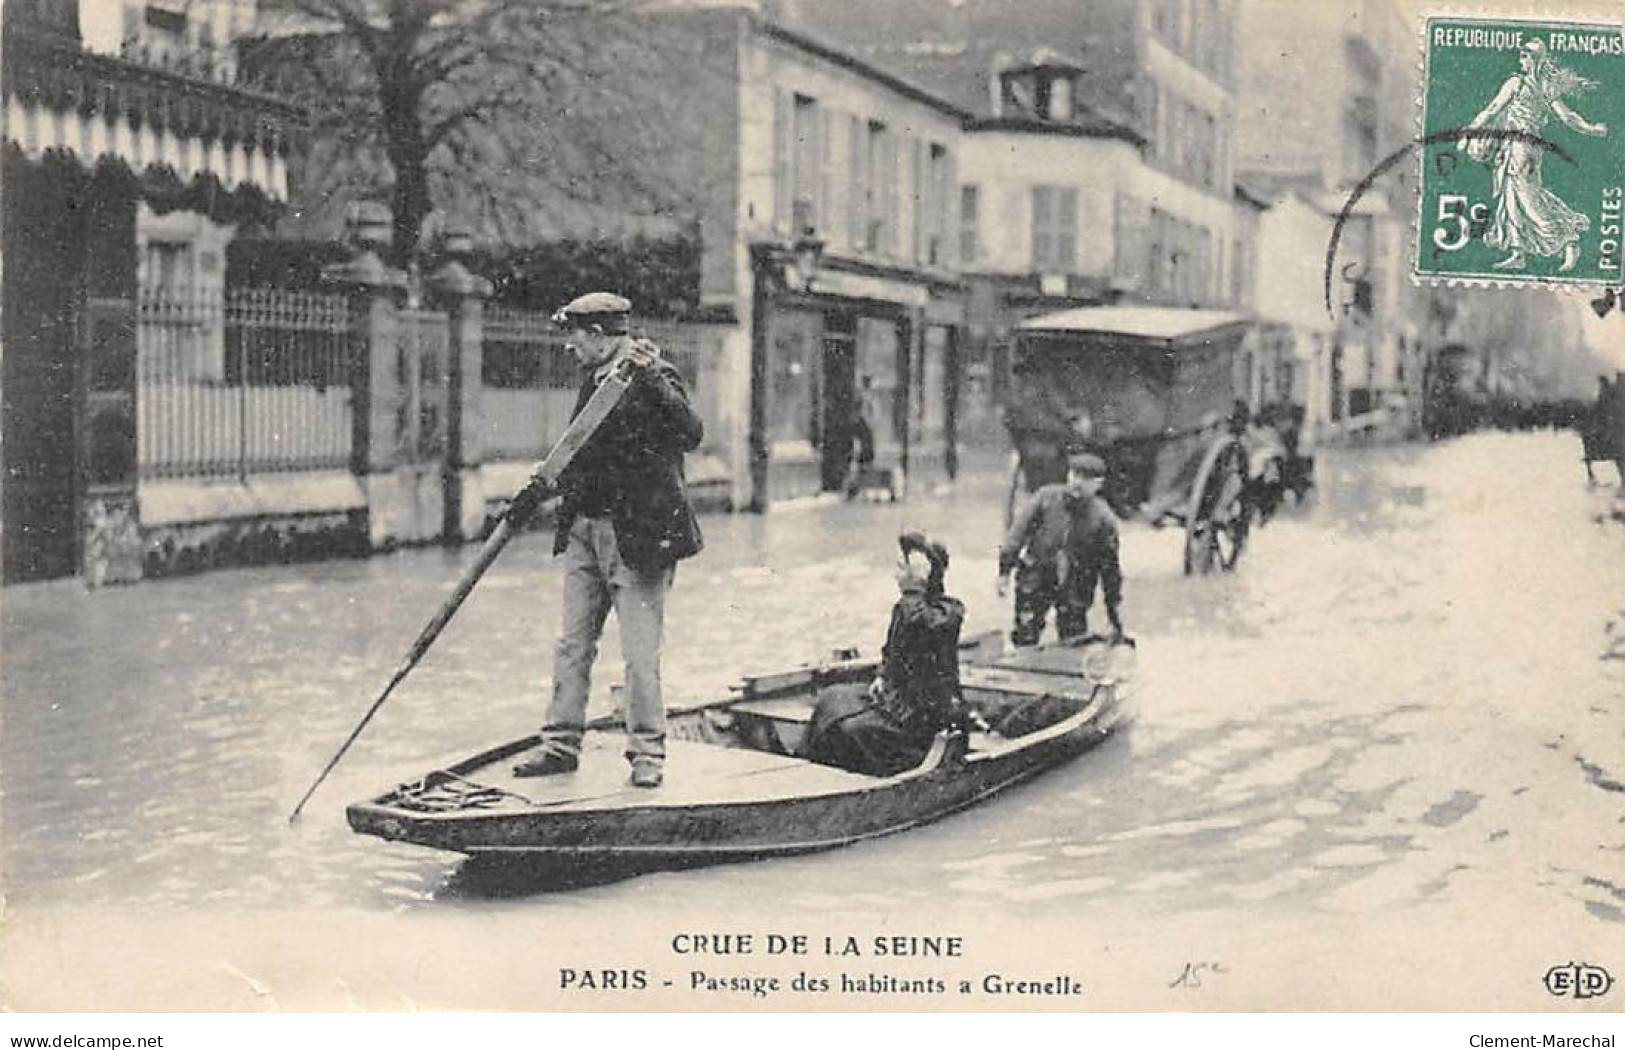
(1408, 702)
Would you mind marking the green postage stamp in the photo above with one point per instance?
(1523, 151)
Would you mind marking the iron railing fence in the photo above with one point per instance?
(257, 381)
(531, 380)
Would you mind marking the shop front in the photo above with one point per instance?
(850, 350)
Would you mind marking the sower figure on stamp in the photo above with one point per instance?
(1529, 218)
(1061, 543)
(888, 727)
(624, 522)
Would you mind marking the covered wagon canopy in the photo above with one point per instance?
(1161, 327)
(1137, 371)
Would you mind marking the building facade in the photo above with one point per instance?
(1097, 161)
(133, 154)
(829, 256)
(1326, 93)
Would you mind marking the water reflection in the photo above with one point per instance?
(502, 877)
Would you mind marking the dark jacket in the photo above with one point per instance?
(920, 662)
(1055, 520)
(632, 471)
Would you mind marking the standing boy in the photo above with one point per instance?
(1060, 544)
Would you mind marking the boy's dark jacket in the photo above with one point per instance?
(1054, 521)
(632, 471)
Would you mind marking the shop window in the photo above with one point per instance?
(794, 394)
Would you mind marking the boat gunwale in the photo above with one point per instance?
(936, 762)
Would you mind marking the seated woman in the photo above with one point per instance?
(888, 727)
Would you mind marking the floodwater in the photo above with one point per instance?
(1411, 694)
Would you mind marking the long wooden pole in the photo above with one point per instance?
(543, 480)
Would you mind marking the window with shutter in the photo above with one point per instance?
(783, 190)
(893, 194)
(857, 219)
(826, 173)
(917, 198)
(1066, 230)
(805, 170)
(1055, 228)
(878, 167)
(969, 223)
(1043, 227)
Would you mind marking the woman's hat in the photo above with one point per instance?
(934, 552)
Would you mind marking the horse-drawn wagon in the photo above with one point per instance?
(1153, 391)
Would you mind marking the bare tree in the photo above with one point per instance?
(504, 112)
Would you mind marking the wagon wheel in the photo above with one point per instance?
(1219, 516)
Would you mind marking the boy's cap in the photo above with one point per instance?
(1086, 463)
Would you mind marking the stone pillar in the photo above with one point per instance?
(462, 295)
(375, 292)
(109, 508)
(759, 450)
(910, 349)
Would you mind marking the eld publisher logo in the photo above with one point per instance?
(1578, 980)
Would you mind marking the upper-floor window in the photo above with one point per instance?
(934, 226)
(806, 164)
(1055, 228)
(1129, 241)
(798, 170)
(881, 189)
(1240, 275)
(970, 205)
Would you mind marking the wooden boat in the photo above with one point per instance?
(734, 788)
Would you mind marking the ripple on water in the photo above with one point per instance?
(1279, 769)
(1162, 880)
(993, 861)
(1045, 891)
(1354, 855)
(1274, 886)
(1176, 829)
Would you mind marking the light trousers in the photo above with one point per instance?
(596, 580)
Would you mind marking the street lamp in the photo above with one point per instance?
(805, 255)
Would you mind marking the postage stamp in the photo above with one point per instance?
(1523, 159)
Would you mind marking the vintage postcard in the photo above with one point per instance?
(812, 506)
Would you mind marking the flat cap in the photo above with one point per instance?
(593, 304)
(1086, 463)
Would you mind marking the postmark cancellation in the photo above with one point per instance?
(1523, 158)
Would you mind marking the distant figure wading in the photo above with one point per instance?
(1528, 216)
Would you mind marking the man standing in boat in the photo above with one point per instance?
(624, 522)
(889, 727)
(1060, 544)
